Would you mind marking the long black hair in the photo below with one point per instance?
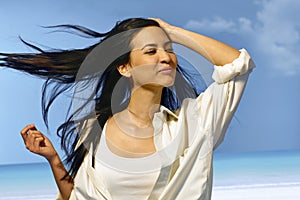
(60, 68)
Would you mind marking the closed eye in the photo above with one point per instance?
(170, 50)
(154, 51)
(151, 51)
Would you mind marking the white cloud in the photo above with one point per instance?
(275, 34)
(217, 24)
(279, 33)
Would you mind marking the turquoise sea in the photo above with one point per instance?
(231, 171)
(26, 181)
(258, 169)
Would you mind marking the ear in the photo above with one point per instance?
(124, 70)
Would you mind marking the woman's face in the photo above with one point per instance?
(152, 60)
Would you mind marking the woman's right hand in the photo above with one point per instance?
(38, 143)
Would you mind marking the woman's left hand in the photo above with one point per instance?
(166, 26)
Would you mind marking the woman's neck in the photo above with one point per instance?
(136, 120)
(144, 102)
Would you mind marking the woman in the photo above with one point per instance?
(152, 145)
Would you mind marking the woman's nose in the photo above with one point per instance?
(164, 56)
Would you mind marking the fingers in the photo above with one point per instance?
(37, 143)
(164, 25)
(158, 21)
(161, 22)
(24, 131)
(33, 139)
(155, 19)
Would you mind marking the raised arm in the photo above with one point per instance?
(213, 50)
(39, 144)
(216, 106)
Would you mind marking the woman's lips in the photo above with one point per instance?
(166, 70)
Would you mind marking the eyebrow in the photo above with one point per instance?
(155, 45)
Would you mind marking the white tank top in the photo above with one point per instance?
(126, 178)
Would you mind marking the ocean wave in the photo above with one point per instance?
(260, 185)
(28, 197)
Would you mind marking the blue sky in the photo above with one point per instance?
(268, 116)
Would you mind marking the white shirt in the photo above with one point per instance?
(182, 165)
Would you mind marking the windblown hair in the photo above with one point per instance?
(60, 68)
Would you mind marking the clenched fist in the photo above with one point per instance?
(38, 143)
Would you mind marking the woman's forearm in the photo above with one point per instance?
(65, 186)
(213, 50)
(38, 143)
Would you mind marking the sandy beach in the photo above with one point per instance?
(281, 191)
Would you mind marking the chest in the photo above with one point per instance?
(130, 142)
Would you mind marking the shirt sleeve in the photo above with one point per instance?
(217, 104)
